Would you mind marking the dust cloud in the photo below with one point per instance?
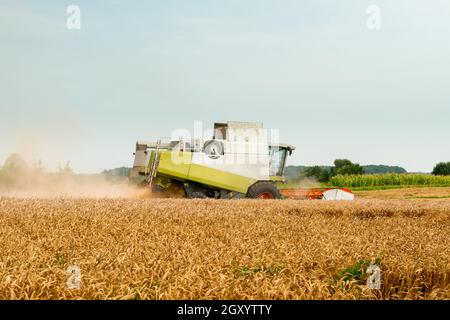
(91, 187)
(307, 183)
(18, 180)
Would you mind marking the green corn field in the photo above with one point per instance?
(386, 180)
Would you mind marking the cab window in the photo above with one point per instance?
(277, 160)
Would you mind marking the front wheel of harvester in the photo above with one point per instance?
(263, 190)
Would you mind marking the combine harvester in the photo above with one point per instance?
(237, 162)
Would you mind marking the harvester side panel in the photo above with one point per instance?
(220, 179)
(175, 164)
(179, 165)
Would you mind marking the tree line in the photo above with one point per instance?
(15, 171)
(345, 167)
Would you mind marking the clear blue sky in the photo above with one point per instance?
(139, 69)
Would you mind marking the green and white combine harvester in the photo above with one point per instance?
(237, 162)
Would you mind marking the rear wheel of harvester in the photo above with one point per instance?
(263, 190)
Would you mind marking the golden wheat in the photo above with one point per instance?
(212, 249)
(436, 193)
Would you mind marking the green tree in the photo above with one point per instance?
(350, 169)
(339, 163)
(442, 169)
(346, 167)
(313, 171)
(15, 163)
(324, 175)
(317, 172)
(372, 169)
(14, 171)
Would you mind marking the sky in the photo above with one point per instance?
(313, 69)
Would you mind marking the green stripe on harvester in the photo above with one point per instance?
(174, 169)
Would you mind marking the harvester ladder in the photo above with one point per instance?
(155, 164)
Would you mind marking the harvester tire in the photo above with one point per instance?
(263, 190)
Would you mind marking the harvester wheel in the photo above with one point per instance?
(263, 190)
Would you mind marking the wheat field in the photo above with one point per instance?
(222, 249)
